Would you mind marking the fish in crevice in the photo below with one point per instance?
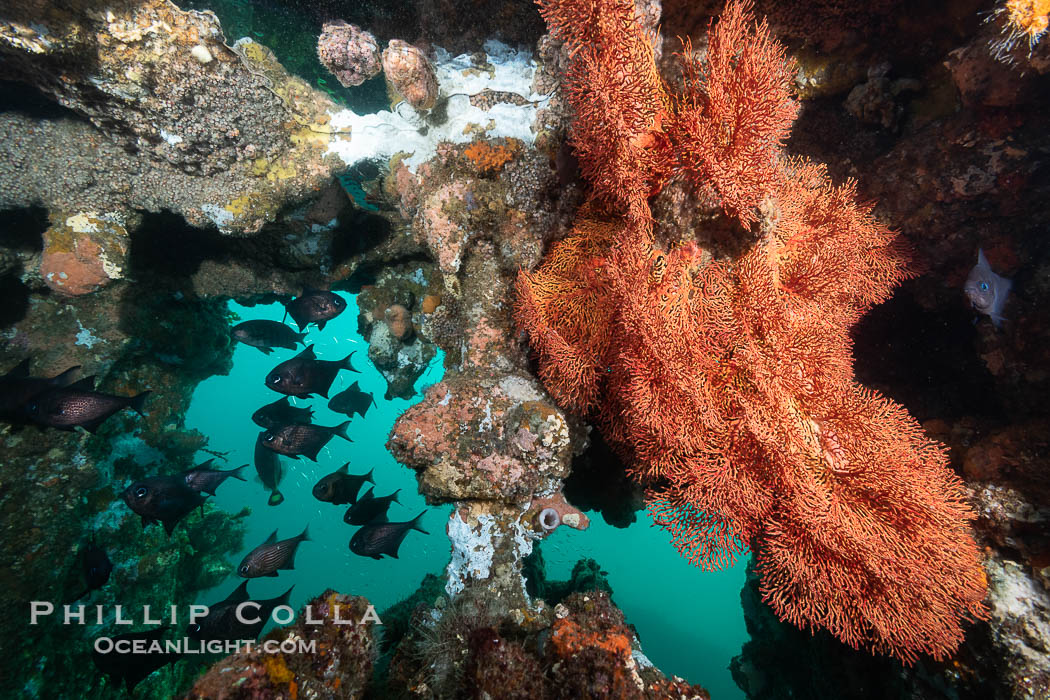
(304, 374)
(352, 400)
(164, 499)
(986, 290)
(202, 478)
(281, 412)
(369, 508)
(267, 335)
(79, 405)
(314, 306)
(271, 556)
(268, 467)
(302, 440)
(341, 486)
(376, 539)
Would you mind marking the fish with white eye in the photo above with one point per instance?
(986, 290)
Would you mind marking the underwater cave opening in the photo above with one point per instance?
(691, 624)
(222, 409)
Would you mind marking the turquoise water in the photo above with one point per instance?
(690, 622)
(222, 408)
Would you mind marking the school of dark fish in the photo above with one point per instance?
(289, 431)
(63, 403)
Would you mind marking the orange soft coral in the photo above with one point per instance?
(489, 157)
(728, 385)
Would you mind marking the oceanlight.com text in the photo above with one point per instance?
(109, 645)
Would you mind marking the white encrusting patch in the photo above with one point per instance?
(383, 134)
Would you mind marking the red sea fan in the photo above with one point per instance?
(727, 385)
(618, 100)
(735, 112)
(569, 314)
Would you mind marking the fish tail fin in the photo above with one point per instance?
(393, 497)
(236, 473)
(287, 594)
(345, 362)
(304, 536)
(301, 337)
(370, 476)
(265, 351)
(138, 403)
(276, 498)
(415, 523)
(340, 430)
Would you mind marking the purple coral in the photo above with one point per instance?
(350, 53)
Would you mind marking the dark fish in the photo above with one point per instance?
(204, 479)
(304, 374)
(281, 412)
(267, 335)
(268, 467)
(376, 539)
(221, 619)
(351, 401)
(17, 387)
(222, 623)
(341, 486)
(270, 556)
(79, 405)
(96, 566)
(130, 667)
(986, 290)
(162, 498)
(315, 306)
(370, 509)
(295, 440)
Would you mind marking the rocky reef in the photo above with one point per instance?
(151, 169)
(341, 638)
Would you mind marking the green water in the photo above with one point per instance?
(690, 622)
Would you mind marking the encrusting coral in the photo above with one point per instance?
(728, 384)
